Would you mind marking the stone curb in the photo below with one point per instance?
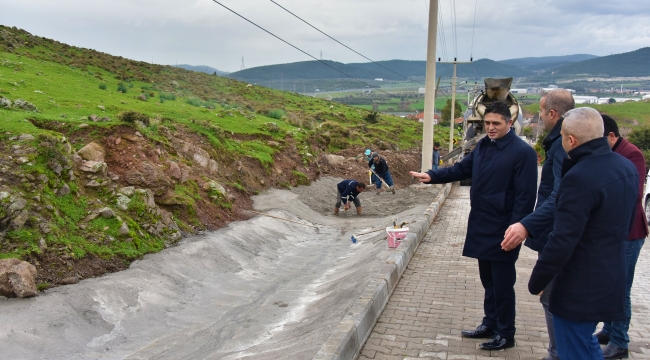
(351, 333)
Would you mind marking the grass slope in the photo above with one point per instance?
(235, 122)
(634, 63)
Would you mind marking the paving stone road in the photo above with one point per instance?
(440, 294)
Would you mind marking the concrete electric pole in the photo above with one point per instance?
(429, 88)
(453, 103)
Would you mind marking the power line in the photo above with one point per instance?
(441, 31)
(295, 47)
(347, 47)
(441, 24)
(453, 26)
(471, 52)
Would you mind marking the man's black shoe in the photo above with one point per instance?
(612, 351)
(481, 332)
(497, 343)
(603, 338)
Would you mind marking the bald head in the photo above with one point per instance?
(579, 126)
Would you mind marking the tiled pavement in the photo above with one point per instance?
(440, 294)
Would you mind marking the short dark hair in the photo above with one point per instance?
(374, 155)
(436, 144)
(610, 126)
(499, 107)
(361, 185)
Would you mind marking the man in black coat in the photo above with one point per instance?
(503, 169)
(584, 256)
(536, 227)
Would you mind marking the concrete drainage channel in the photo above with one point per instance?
(352, 332)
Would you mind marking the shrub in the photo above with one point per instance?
(276, 114)
(194, 101)
(166, 96)
(372, 117)
(102, 86)
(133, 116)
(122, 88)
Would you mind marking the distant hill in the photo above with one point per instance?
(315, 70)
(547, 62)
(201, 68)
(634, 63)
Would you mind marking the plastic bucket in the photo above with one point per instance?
(395, 236)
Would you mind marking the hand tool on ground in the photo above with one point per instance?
(354, 239)
(390, 188)
(280, 218)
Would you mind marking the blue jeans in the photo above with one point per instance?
(575, 340)
(617, 330)
(377, 181)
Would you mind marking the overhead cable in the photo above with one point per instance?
(347, 47)
(471, 52)
(295, 47)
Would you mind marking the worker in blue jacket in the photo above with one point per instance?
(584, 256)
(503, 169)
(348, 191)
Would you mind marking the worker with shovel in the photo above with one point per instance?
(380, 172)
(348, 191)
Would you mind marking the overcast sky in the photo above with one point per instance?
(201, 32)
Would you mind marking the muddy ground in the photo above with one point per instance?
(258, 289)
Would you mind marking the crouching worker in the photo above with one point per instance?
(348, 191)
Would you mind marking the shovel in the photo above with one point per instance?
(390, 188)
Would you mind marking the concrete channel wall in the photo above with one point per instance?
(351, 334)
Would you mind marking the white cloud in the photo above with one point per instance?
(201, 32)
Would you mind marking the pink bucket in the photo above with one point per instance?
(395, 236)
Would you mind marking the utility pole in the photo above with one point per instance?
(429, 88)
(453, 103)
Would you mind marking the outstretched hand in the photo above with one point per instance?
(514, 236)
(422, 177)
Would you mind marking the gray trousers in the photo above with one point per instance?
(356, 200)
(544, 299)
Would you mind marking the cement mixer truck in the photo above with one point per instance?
(473, 131)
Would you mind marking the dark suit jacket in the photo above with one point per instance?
(540, 223)
(632, 153)
(585, 251)
(503, 192)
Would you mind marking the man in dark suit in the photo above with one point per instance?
(503, 169)
(536, 227)
(614, 333)
(584, 256)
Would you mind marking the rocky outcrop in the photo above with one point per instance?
(149, 176)
(25, 105)
(17, 278)
(92, 152)
(333, 160)
(191, 151)
(13, 211)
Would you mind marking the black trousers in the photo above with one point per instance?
(498, 279)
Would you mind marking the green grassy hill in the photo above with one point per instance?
(546, 62)
(180, 151)
(634, 63)
(311, 70)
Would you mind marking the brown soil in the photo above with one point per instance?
(55, 267)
